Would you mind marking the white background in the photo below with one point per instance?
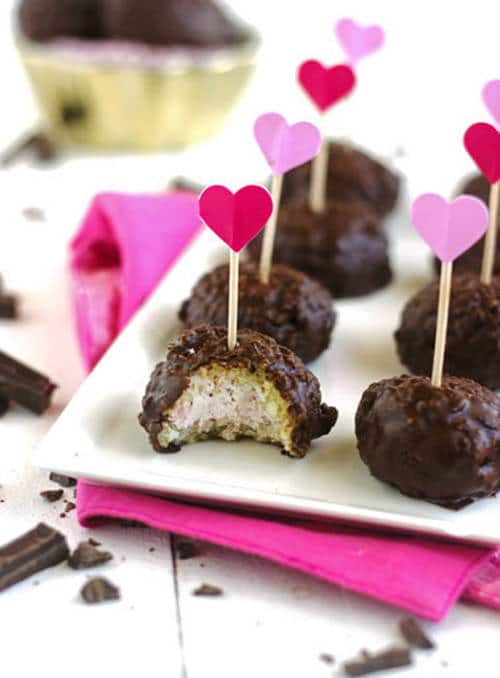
(417, 96)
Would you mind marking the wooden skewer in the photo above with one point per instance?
(319, 173)
(442, 323)
(232, 315)
(266, 255)
(490, 240)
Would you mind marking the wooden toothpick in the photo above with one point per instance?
(266, 255)
(442, 322)
(319, 174)
(490, 240)
(232, 315)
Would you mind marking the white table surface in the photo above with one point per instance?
(270, 621)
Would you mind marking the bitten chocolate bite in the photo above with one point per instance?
(441, 444)
(473, 337)
(344, 248)
(43, 20)
(293, 309)
(258, 390)
(353, 177)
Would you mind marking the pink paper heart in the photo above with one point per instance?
(491, 98)
(325, 85)
(235, 217)
(482, 142)
(286, 146)
(449, 228)
(358, 41)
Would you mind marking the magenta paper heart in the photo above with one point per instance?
(482, 142)
(358, 41)
(491, 98)
(235, 217)
(449, 228)
(324, 85)
(286, 146)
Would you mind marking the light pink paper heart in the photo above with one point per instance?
(491, 98)
(358, 41)
(286, 146)
(235, 217)
(449, 228)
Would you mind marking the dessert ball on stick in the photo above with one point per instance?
(257, 389)
(473, 336)
(441, 444)
(344, 247)
(353, 177)
(292, 308)
(476, 185)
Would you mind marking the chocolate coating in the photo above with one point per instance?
(207, 345)
(353, 176)
(471, 260)
(43, 20)
(473, 337)
(439, 444)
(293, 309)
(170, 22)
(345, 247)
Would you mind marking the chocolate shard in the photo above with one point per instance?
(99, 589)
(86, 555)
(63, 481)
(23, 385)
(8, 306)
(38, 549)
(4, 405)
(207, 590)
(187, 550)
(414, 634)
(52, 495)
(391, 658)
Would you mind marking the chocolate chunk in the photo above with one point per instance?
(414, 634)
(70, 506)
(63, 481)
(187, 550)
(37, 144)
(4, 405)
(86, 555)
(391, 658)
(207, 590)
(327, 658)
(52, 495)
(8, 306)
(98, 590)
(34, 551)
(24, 386)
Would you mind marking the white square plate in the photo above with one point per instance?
(98, 436)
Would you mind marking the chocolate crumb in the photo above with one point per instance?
(63, 481)
(391, 658)
(33, 214)
(187, 550)
(98, 590)
(152, 549)
(62, 515)
(70, 506)
(86, 555)
(208, 590)
(327, 658)
(52, 495)
(414, 634)
(37, 145)
(94, 542)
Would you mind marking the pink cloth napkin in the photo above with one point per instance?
(124, 246)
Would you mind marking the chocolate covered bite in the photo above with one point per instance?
(344, 248)
(200, 23)
(353, 177)
(43, 20)
(293, 309)
(473, 336)
(441, 444)
(258, 390)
